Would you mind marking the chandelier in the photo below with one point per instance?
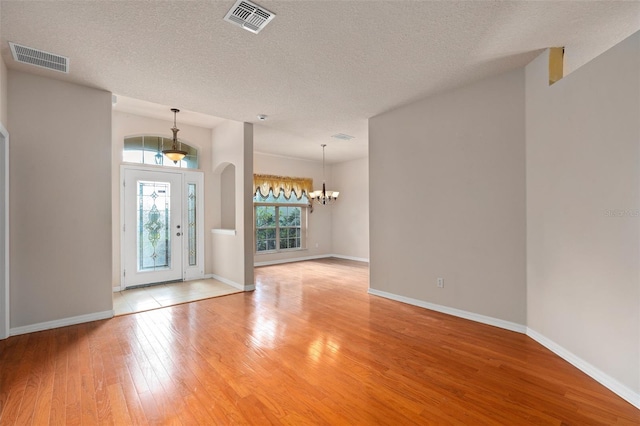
(175, 154)
(322, 196)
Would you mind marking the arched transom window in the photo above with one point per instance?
(148, 150)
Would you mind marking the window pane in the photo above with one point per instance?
(265, 216)
(148, 150)
(265, 228)
(290, 216)
(283, 216)
(152, 157)
(296, 216)
(132, 156)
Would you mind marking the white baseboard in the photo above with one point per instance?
(61, 323)
(496, 322)
(292, 259)
(598, 375)
(117, 289)
(357, 259)
(249, 287)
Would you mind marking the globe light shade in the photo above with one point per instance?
(174, 155)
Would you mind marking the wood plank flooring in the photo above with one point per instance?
(309, 346)
(163, 295)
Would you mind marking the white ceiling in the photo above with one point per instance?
(319, 68)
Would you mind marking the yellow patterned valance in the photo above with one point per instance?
(266, 183)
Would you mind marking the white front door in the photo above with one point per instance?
(152, 228)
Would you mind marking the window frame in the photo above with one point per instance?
(303, 227)
(193, 156)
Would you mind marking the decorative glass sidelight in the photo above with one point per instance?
(153, 225)
(191, 225)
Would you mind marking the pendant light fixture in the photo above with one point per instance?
(175, 154)
(322, 196)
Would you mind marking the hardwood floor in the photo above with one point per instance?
(309, 346)
(163, 295)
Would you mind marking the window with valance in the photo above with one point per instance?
(280, 212)
(282, 186)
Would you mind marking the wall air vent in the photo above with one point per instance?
(39, 58)
(343, 137)
(249, 16)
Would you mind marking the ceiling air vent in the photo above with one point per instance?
(249, 16)
(39, 58)
(343, 137)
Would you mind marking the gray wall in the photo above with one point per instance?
(245, 186)
(447, 199)
(583, 227)
(350, 214)
(60, 199)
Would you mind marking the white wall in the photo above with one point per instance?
(319, 222)
(60, 198)
(125, 125)
(449, 199)
(231, 254)
(350, 214)
(583, 229)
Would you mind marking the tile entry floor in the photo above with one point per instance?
(162, 295)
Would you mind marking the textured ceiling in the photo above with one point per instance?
(319, 68)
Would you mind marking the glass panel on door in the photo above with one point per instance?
(191, 223)
(153, 226)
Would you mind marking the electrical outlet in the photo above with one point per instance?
(440, 282)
